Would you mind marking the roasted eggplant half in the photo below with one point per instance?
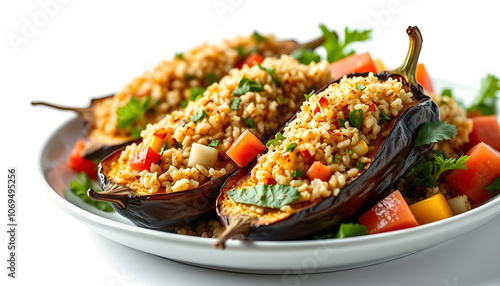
(175, 173)
(346, 146)
(115, 121)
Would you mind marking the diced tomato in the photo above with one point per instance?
(431, 209)
(319, 171)
(80, 164)
(250, 60)
(245, 148)
(270, 181)
(323, 102)
(483, 166)
(316, 110)
(306, 154)
(423, 77)
(392, 213)
(353, 63)
(143, 159)
(485, 129)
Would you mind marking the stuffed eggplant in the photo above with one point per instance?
(345, 147)
(174, 174)
(115, 121)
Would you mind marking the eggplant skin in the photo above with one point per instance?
(394, 157)
(157, 211)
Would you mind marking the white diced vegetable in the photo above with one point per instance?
(459, 204)
(202, 155)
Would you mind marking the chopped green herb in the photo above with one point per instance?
(213, 143)
(274, 141)
(298, 174)
(269, 196)
(350, 230)
(210, 78)
(258, 37)
(342, 122)
(179, 56)
(249, 122)
(80, 188)
(235, 103)
(245, 85)
(135, 132)
(183, 104)
(356, 118)
(360, 165)
(494, 187)
(190, 77)
(291, 147)
(348, 151)
(428, 172)
(196, 93)
(308, 95)
(446, 92)
(335, 158)
(198, 116)
(360, 86)
(305, 56)
(336, 50)
(179, 145)
(281, 99)
(435, 131)
(163, 148)
(241, 52)
(485, 99)
(385, 118)
(134, 112)
(271, 72)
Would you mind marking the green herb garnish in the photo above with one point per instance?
(235, 103)
(80, 188)
(179, 56)
(210, 78)
(179, 145)
(356, 118)
(308, 95)
(346, 230)
(198, 116)
(134, 112)
(196, 93)
(337, 50)
(447, 92)
(342, 122)
(249, 122)
(269, 196)
(291, 147)
(298, 174)
(305, 56)
(274, 141)
(183, 104)
(348, 151)
(163, 148)
(494, 187)
(485, 99)
(213, 143)
(335, 158)
(271, 72)
(247, 85)
(385, 118)
(428, 172)
(360, 86)
(435, 131)
(281, 99)
(360, 165)
(258, 37)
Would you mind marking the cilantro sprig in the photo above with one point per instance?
(485, 99)
(428, 172)
(435, 131)
(132, 115)
(336, 49)
(271, 72)
(494, 187)
(245, 85)
(274, 141)
(80, 186)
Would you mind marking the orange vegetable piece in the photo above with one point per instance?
(319, 171)
(80, 164)
(431, 209)
(392, 213)
(353, 63)
(483, 166)
(485, 129)
(423, 77)
(245, 148)
(379, 65)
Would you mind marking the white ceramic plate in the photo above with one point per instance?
(285, 257)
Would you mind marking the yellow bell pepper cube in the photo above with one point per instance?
(157, 143)
(431, 209)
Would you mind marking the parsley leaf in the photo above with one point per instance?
(274, 141)
(213, 143)
(196, 93)
(210, 78)
(298, 174)
(179, 56)
(198, 116)
(270, 196)
(360, 165)
(291, 147)
(360, 86)
(435, 131)
(245, 85)
(258, 37)
(356, 118)
(183, 104)
(271, 72)
(249, 122)
(335, 49)
(494, 186)
(133, 112)
(179, 145)
(428, 172)
(447, 92)
(350, 230)
(485, 99)
(308, 95)
(342, 122)
(235, 103)
(385, 118)
(80, 188)
(305, 56)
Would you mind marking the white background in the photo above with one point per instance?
(82, 49)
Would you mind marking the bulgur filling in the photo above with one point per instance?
(214, 120)
(323, 133)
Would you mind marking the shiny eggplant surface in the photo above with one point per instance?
(391, 157)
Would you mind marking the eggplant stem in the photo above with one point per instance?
(115, 194)
(84, 113)
(409, 66)
(291, 45)
(238, 225)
